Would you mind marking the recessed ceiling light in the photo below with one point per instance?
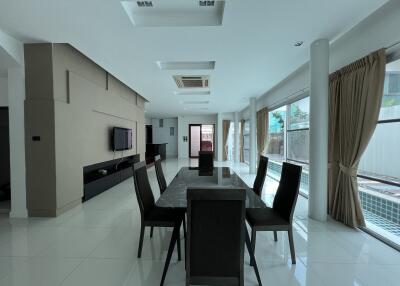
(298, 43)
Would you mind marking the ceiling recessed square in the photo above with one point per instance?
(161, 13)
(193, 102)
(186, 65)
(194, 92)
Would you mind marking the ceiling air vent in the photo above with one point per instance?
(143, 4)
(207, 3)
(201, 81)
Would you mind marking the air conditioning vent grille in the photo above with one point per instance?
(207, 3)
(143, 4)
(192, 81)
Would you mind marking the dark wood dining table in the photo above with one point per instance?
(217, 177)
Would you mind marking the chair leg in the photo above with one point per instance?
(252, 257)
(178, 244)
(151, 231)
(141, 241)
(275, 236)
(291, 244)
(253, 243)
(174, 237)
(184, 226)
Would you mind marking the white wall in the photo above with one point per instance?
(183, 130)
(162, 134)
(3, 91)
(379, 30)
(147, 120)
(13, 52)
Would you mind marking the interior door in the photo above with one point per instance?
(194, 140)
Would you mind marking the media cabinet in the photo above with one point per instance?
(118, 170)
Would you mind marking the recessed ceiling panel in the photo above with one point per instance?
(194, 92)
(160, 13)
(199, 65)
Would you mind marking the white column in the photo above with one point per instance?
(219, 137)
(253, 138)
(16, 97)
(236, 140)
(318, 173)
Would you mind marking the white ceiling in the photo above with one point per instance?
(253, 48)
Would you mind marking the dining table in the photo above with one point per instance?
(175, 196)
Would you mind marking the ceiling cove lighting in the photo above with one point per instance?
(186, 65)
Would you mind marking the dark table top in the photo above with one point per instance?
(218, 177)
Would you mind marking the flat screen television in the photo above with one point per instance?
(122, 139)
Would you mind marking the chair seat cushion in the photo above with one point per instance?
(264, 217)
(164, 215)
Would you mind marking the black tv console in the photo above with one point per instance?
(117, 171)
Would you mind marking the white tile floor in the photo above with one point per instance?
(96, 244)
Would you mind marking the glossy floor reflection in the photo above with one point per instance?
(96, 244)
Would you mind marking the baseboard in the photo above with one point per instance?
(19, 214)
(54, 212)
(68, 206)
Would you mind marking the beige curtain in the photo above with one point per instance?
(225, 131)
(262, 130)
(354, 103)
(241, 140)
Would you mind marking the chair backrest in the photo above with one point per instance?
(288, 191)
(215, 244)
(160, 174)
(206, 159)
(261, 174)
(143, 190)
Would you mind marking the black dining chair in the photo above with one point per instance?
(280, 216)
(150, 214)
(216, 237)
(206, 159)
(261, 174)
(162, 183)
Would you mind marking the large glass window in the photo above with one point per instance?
(276, 134)
(288, 139)
(298, 131)
(379, 168)
(246, 142)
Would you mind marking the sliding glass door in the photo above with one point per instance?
(201, 138)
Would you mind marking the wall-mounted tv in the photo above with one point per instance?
(121, 139)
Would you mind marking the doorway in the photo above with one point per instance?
(5, 189)
(201, 138)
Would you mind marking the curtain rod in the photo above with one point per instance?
(392, 45)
